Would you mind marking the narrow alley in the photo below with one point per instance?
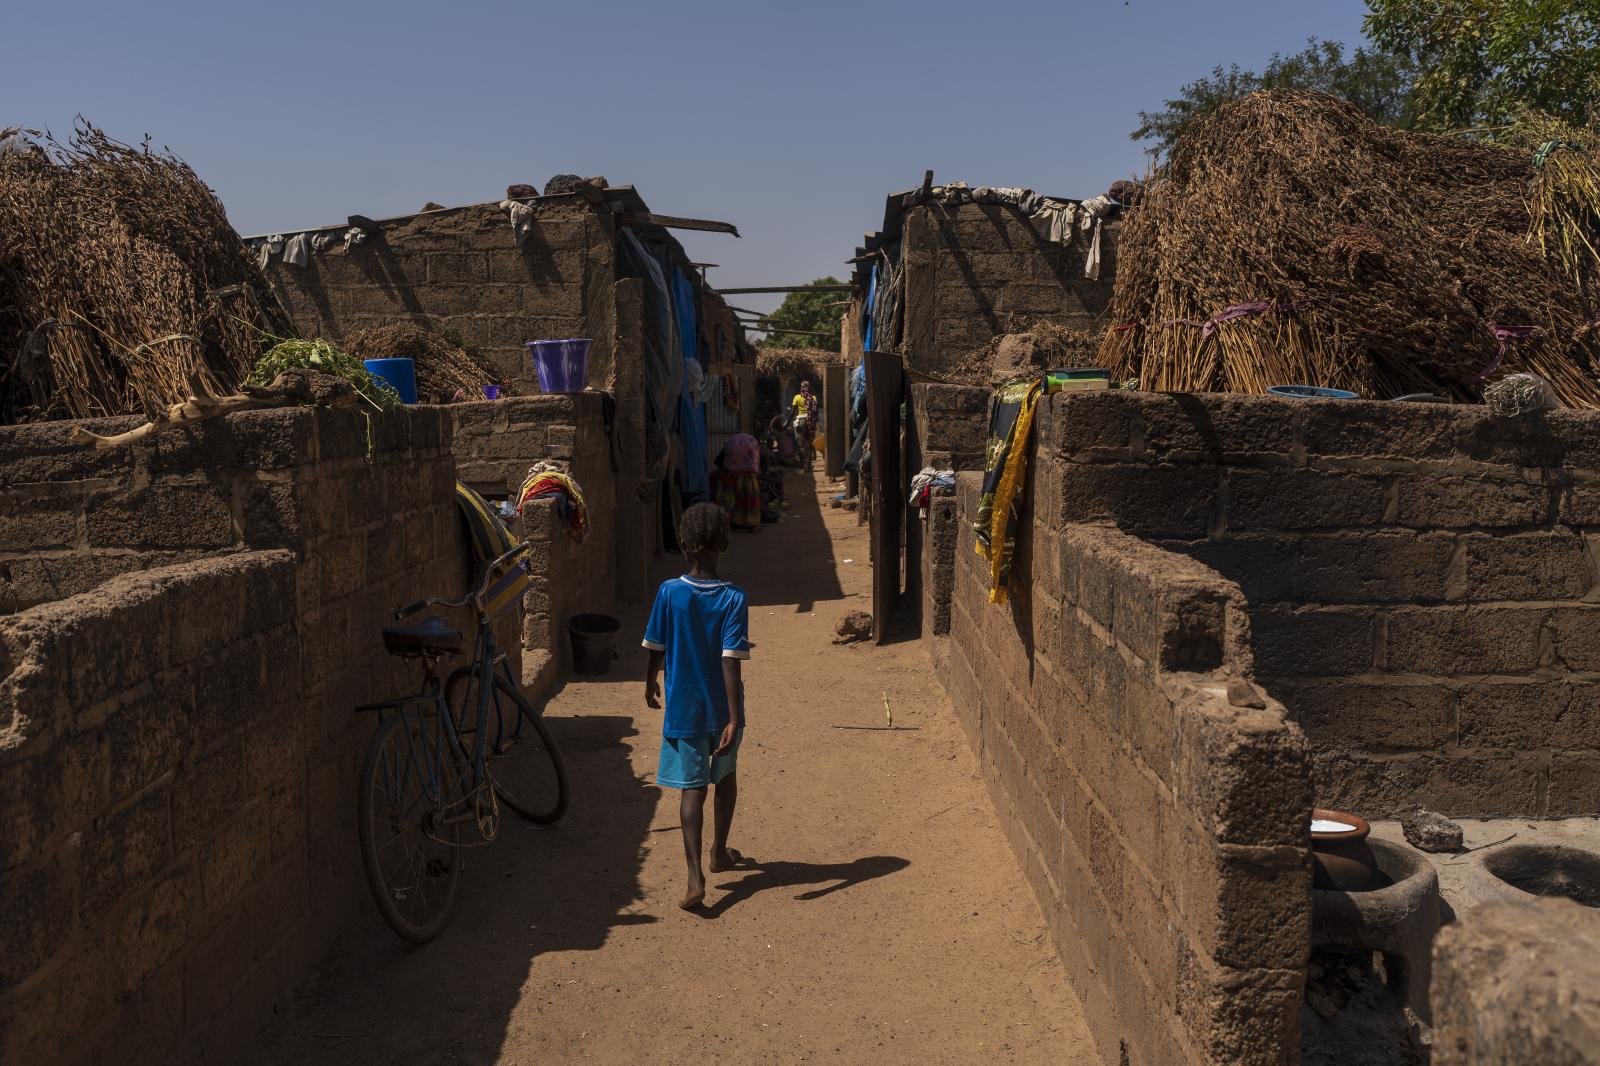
(882, 918)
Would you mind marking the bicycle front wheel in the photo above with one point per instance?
(523, 760)
(412, 856)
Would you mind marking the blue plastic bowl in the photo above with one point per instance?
(401, 374)
(1311, 392)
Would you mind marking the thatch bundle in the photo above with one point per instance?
(787, 364)
(446, 370)
(1291, 240)
(120, 278)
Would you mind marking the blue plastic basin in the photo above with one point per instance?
(1311, 392)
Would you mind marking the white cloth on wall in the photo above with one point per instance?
(269, 247)
(297, 252)
(1092, 212)
(321, 242)
(523, 217)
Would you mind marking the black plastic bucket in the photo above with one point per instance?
(594, 642)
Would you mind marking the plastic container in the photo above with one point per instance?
(563, 365)
(401, 374)
(1311, 392)
(491, 392)
(594, 642)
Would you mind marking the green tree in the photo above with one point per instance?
(1377, 82)
(1482, 62)
(807, 310)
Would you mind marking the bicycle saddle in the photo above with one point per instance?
(431, 634)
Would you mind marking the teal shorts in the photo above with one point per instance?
(687, 762)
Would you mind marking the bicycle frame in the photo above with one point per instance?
(486, 659)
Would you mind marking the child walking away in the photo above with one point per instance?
(699, 629)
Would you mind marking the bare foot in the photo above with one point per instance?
(694, 897)
(726, 861)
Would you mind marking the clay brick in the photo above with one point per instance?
(1373, 568)
(230, 860)
(1246, 907)
(150, 736)
(124, 849)
(272, 440)
(1371, 716)
(1463, 785)
(47, 1017)
(1575, 634)
(163, 516)
(1241, 1017)
(150, 928)
(1177, 427)
(1464, 640)
(40, 902)
(1313, 641)
(1262, 566)
(1523, 716)
(34, 524)
(458, 268)
(1461, 503)
(207, 791)
(1574, 790)
(1243, 773)
(1148, 501)
(1373, 429)
(1530, 566)
(1274, 500)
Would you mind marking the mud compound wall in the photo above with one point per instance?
(1163, 829)
(462, 271)
(1519, 984)
(979, 271)
(178, 746)
(495, 443)
(1420, 577)
(952, 425)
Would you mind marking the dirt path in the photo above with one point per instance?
(887, 921)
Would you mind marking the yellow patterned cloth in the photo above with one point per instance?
(1010, 429)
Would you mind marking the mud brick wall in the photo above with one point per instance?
(178, 747)
(1164, 830)
(72, 518)
(979, 271)
(1519, 983)
(495, 443)
(461, 270)
(1421, 578)
(952, 426)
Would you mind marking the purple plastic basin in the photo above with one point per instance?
(563, 365)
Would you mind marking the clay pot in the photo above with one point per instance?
(1342, 860)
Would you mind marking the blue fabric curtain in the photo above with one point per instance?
(872, 292)
(694, 478)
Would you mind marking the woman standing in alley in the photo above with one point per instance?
(739, 491)
(805, 421)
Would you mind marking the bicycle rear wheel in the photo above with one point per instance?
(523, 760)
(412, 859)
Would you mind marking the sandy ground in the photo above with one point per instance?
(886, 920)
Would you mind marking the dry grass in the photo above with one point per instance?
(446, 371)
(120, 277)
(790, 363)
(1380, 261)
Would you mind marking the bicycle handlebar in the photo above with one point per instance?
(470, 598)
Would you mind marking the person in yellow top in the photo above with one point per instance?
(805, 420)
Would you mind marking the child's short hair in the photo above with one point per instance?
(703, 528)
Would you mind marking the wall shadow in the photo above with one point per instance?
(534, 891)
(791, 562)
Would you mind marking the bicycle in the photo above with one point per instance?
(430, 769)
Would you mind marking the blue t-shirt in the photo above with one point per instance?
(697, 624)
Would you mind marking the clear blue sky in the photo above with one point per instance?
(791, 120)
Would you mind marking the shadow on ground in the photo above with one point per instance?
(831, 877)
(791, 562)
(532, 892)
